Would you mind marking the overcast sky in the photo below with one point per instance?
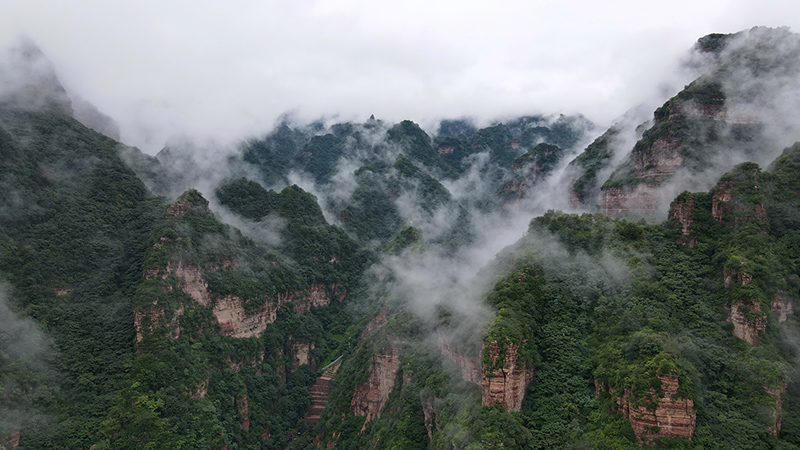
(229, 69)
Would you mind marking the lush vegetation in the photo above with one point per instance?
(129, 322)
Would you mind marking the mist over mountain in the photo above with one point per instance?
(534, 282)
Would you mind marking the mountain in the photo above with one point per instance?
(349, 286)
(738, 109)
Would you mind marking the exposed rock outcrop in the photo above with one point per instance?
(370, 396)
(229, 310)
(633, 199)
(470, 366)
(667, 147)
(738, 200)
(200, 391)
(777, 394)
(184, 205)
(720, 198)
(748, 320)
(376, 321)
(234, 321)
(680, 213)
(60, 292)
(747, 316)
(302, 354)
(147, 319)
(429, 411)
(504, 379)
(782, 306)
(445, 149)
(190, 281)
(659, 416)
(10, 441)
(232, 317)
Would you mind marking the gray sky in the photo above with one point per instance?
(229, 69)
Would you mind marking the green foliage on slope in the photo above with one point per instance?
(74, 219)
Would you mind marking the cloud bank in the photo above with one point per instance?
(205, 69)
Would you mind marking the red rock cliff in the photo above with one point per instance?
(656, 417)
(507, 382)
(470, 366)
(680, 213)
(370, 396)
(747, 316)
(629, 199)
(655, 158)
(228, 310)
(748, 320)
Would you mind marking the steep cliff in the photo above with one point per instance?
(778, 396)
(470, 366)
(748, 320)
(680, 213)
(504, 379)
(782, 306)
(185, 273)
(528, 170)
(370, 396)
(671, 143)
(714, 122)
(661, 413)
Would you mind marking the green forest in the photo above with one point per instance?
(356, 306)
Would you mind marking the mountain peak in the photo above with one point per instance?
(29, 79)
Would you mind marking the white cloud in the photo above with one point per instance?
(209, 69)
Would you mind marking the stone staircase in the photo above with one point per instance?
(320, 391)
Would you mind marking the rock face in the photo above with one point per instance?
(191, 281)
(234, 321)
(370, 396)
(629, 199)
(680, 213)
(722, 195)
(152, 316)
(200, 391)
(229, 310)
(777, 394)
(656, 417)
(429, 411)
(230, 313)
(782, 307)
(666, 148)
(302, 354)
(738, 201)
(747, 316)
(507, 382)
(748, 320)
(470, 366)
(12, 441)
(652, 161)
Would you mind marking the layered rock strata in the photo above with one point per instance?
(748, 320)
(680, 213)
(470, 366)
(505, 380)
(658, 416)
(370, 396)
